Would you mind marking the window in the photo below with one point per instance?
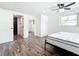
(69, 20)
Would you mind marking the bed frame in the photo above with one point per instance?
(66, 45)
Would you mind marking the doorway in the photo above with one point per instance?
(32, 24)
(18, 26)
(15, 30)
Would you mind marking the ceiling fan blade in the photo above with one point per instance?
(67, 8)
(70, 4)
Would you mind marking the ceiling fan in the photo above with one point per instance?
(62, 6)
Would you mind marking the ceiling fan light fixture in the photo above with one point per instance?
(61, 10)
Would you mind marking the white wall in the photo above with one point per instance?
(53, 23)
(6, 23)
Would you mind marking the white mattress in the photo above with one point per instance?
(72, 37)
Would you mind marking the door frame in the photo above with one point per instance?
(18, 18)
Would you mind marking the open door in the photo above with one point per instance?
(6, 27)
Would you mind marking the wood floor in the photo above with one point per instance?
(32, 46)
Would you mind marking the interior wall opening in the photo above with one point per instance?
(18, 26)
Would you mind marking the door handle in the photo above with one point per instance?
(11, 28)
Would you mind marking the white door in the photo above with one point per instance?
(31, 25)
(6, 25)
(44, 23)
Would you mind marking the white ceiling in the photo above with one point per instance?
(33, 8)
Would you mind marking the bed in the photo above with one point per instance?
(65, 40)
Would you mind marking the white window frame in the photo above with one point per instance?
(68, 21)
